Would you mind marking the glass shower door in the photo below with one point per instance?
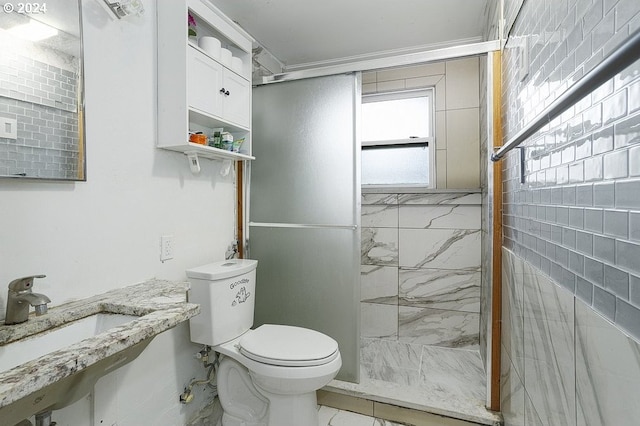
(304, 208)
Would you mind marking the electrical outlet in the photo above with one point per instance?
(8, 128)
(166, 247)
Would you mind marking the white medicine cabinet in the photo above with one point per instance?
(199, 90)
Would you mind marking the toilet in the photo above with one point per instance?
(267, 376)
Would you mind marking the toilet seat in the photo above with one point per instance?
(288, 346)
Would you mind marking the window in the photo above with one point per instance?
(397, 139)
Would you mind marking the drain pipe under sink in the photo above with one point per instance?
(44, 419)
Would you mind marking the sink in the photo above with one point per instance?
(53, 360)
(32, 347)
(64, 346)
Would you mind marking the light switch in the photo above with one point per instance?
(8, 128)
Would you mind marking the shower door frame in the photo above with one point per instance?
(353, 373)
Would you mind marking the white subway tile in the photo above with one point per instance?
(625, 10)
(634, 97)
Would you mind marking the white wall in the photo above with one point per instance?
(90, 237)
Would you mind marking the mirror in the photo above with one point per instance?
(41, 91)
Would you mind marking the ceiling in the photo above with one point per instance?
(304, 33)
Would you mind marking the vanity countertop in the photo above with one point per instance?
(161, 305)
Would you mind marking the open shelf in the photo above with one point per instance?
(209, 152)
(210, 121)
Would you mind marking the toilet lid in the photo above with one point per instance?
(288, 346)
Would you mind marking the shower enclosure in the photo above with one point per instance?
(304, 208)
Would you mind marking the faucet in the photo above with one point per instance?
(20, 297)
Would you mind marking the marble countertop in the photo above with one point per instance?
(161, 305)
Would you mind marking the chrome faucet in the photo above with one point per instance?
(20, 297)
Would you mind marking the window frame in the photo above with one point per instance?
(429, 140)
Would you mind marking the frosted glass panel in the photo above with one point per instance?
(395, 165)
(303, 140)
(306, 277)
(306, 177)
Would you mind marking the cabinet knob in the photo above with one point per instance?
(224, 92)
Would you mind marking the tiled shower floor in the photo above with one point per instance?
(334, 417)
(444, 381)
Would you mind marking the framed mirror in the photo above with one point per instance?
(41, 91)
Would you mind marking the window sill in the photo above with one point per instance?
(408, 189)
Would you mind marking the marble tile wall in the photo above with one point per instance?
(562, 362)
(486, 185)
(420, 272)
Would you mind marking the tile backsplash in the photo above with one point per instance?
(41, 95)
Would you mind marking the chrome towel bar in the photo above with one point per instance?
(616, 61)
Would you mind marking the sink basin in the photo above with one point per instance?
(55, 359)
(32, 347)
(64, 346)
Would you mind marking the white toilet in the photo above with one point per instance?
(267, 376)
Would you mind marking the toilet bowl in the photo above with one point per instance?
(267, 376)
(285, 372)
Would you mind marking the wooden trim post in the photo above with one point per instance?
(239, 207)
(496, 279)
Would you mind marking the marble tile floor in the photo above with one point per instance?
(333, 417)
(443, 381)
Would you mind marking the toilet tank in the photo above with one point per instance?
(225, 292)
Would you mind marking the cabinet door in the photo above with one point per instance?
(237, 104)
(204, 83)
